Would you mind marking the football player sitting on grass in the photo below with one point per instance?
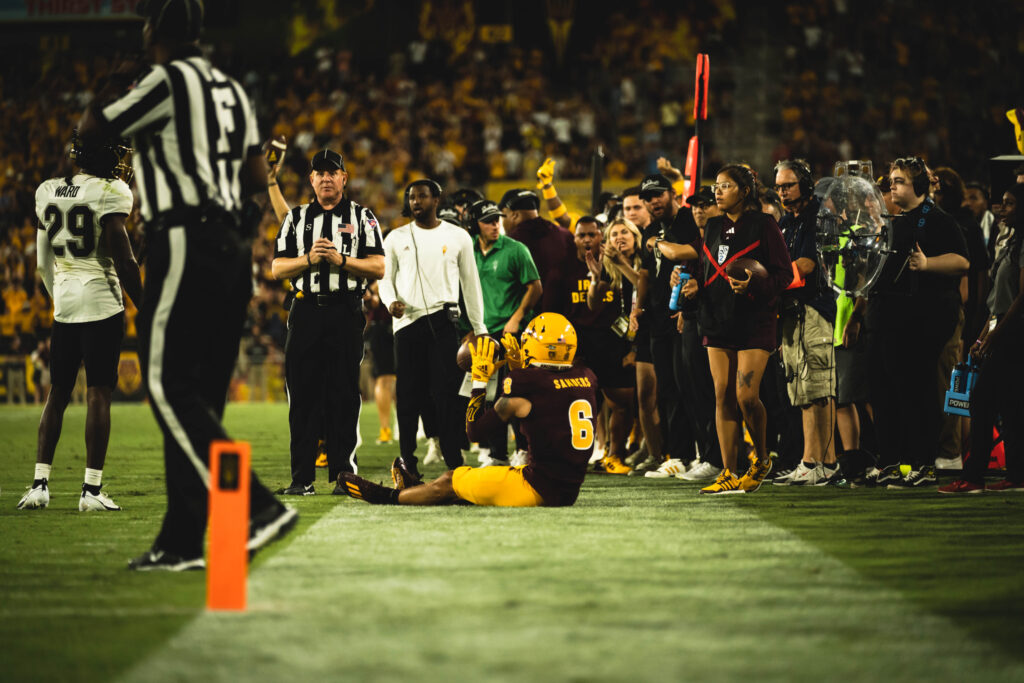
(554, 403)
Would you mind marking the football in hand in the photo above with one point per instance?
(737, 269)
(274, 149)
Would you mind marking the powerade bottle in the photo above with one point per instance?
(673, 302)
(958, 382)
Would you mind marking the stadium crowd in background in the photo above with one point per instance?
(485, 115)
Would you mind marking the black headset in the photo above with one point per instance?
(920, 182)
(802, 170)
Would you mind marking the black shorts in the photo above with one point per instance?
(381, 339)
(852, 372)
(97, 343)
(602, 352)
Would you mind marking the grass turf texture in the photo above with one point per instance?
(641, 580)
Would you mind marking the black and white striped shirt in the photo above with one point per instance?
(354, 231)
(192, 128)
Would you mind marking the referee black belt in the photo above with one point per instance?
(324, 300)
(193, 215)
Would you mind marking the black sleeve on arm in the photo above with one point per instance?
(482, 422)
(684, 228)
(945, 237)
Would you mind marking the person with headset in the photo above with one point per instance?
(912, 312)
(511, 288)
(428, 264)
(807, 312)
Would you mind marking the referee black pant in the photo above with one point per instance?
(428, 379)
(197, 290)
(322, 357)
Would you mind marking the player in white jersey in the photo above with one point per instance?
(84, 257)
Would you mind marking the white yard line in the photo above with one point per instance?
(327, 605)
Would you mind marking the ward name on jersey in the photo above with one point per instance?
(85, 285)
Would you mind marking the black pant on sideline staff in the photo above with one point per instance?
(677, 436)
(428, 378)
(905, 339)
(997, 393)
(697, 390)
(198, 286)
(322, 357)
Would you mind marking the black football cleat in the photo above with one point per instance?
(402, 477)
(159, 560)
(356, 487)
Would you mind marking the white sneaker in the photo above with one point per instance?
(488, 461)
(519, 458)
(808, 476)
(639, 456)
(597, 455)
(670, 468)
(704, 471)
(92, 502)
(956, 463)
(482, 454)
(433, 455)
(37, 498)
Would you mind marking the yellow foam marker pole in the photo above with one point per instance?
(228, 560)
(1016, 117)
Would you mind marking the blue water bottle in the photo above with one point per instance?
(673, 302)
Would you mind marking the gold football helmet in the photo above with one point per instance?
(549, 341)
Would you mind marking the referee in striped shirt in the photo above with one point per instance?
(330, 249)
(198, 169)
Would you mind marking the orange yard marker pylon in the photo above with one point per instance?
(228, 566)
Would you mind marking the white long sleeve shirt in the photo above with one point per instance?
(427, 268)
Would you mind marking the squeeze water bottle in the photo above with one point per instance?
(673, 302)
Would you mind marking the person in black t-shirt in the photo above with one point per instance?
(912, 311)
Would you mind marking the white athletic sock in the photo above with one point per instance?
(93, 477)
(42, 471)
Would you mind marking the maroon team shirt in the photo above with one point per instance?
(552, 247)
(559, 428)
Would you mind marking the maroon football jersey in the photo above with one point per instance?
(559, 428)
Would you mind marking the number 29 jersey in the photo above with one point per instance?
(85, 283)
(559, 428)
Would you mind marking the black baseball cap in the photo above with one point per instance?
(508, 196)
(704, 195)
(328, 160)
(524, 200)
(653, 185)
(484, 210)
(175, 19)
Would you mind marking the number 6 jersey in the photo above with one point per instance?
(85, 286)
(559, 428)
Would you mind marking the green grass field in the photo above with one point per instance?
(641, 580)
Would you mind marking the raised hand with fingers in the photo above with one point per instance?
(483, 353)
(513, 354)
(546, 173)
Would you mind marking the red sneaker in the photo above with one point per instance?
(962, 486)
(1005, 485)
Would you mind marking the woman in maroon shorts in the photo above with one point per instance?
(737, 318)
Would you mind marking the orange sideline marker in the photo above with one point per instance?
(228, 565)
